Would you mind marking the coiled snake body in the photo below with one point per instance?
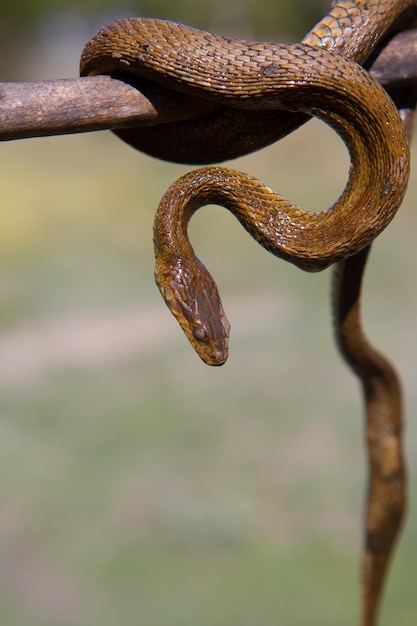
(259, 92)
(352, 28)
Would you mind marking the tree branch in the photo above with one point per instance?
(77, 105)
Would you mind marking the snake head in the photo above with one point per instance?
(194, 300)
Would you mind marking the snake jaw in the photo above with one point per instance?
(193, 299)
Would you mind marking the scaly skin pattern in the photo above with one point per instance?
(259, 93)
(352, 28)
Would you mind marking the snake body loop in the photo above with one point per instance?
(352, 28)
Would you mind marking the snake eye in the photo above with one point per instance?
(200, 333)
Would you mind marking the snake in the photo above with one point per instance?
(258, 93)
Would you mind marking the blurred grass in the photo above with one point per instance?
(137, 484)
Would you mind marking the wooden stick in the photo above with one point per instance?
(396, 64)
(76, 105)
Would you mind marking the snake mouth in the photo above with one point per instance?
(215, 356)
(219, 361)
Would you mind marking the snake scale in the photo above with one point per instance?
(258, 93)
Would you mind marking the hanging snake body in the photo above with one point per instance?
(258, 93)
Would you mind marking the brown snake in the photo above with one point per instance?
(257, 93)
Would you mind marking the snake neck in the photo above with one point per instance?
(185, 284)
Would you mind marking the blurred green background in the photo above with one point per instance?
(139, 486)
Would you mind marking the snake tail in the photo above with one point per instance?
(386, 498)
